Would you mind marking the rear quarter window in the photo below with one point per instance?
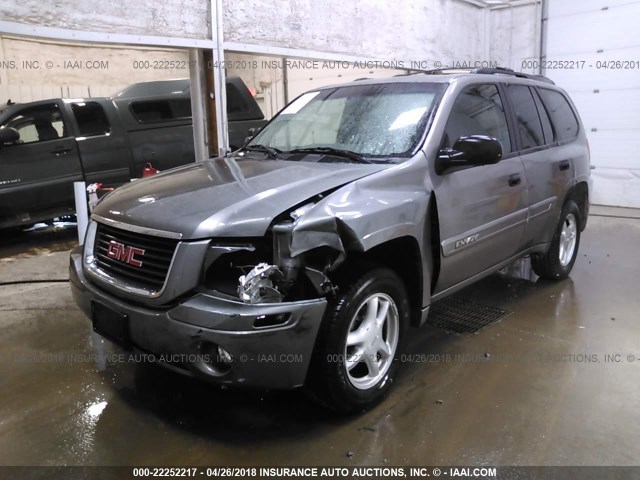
(549, 137)
(563, 119)
(161, 110)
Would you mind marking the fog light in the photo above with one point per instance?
(217, 360)
(224, 356)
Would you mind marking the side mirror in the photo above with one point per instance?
(253, 131)
(9, 135)
(469, 151)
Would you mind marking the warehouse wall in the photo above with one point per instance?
(443, 31)
(514, 37)
(28, 78)
(438, 30)
(433, 33)
(170, 18)
(371, 28)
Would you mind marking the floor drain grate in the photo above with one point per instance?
(459, 315)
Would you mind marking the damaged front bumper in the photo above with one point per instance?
(262, 345)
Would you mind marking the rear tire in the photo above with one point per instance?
(557, 263)
(356, 355)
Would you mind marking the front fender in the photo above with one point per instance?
(370, 212)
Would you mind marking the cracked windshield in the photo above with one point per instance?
(383, 120)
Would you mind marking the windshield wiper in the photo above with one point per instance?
(270, 151)
(338, 152)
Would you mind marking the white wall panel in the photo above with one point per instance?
(609, 109)
(613, 29)
(617, 187)
(608, 99)
(614, 147)
(559, 8)
(587, 76)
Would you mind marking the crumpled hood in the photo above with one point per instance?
(225, 197)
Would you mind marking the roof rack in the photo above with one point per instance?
(508, 71)
(489, 71)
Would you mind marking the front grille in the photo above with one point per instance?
(156, 260)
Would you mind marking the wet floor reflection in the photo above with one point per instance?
(53, 237)
(206, 411)
(478, 411)
(247, 418)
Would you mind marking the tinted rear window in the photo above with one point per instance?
(235, 101)
(161, 110)
(564, 120)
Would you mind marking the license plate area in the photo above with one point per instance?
(110, 324)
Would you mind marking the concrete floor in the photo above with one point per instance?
(520, 392)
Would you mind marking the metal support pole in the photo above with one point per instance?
(285, 81)
(82, 212)
(219, 85)
(198, 105)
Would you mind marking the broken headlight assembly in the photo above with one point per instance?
(226, 262)
(262, 270)
(259, 285)
(244, 270)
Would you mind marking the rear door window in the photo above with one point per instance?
(564, 120)
(527, 119)
(91, 119)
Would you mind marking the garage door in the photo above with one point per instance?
(593, 52)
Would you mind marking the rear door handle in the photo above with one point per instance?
(564, 165)
(60, 151)
(514, 180)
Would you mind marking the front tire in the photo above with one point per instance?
(557, 263)
(356, 356)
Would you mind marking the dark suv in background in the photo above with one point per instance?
(304, 258)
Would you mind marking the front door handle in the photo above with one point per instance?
(564, 165)
(514, 180)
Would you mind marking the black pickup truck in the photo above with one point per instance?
(47, 145)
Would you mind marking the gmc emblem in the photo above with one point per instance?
(125, 253)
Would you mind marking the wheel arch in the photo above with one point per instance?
(403, 256)
(579, 193)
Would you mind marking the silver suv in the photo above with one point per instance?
(305, 257)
